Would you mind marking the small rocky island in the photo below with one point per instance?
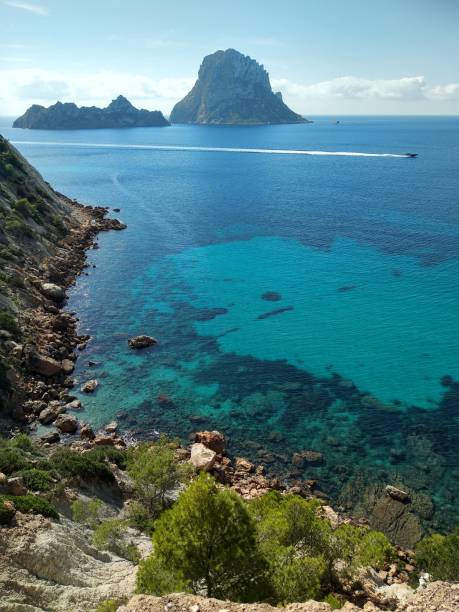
(120, 113)
(233, 88)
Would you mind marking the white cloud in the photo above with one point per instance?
(446, 92)
(22, 87)
(408, 88)
(26, 6)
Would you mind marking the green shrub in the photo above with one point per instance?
(110, 605)
(33, 504)
(333, 601)
(155, 472)
(18, 227)
(36, 480)
(205, 542)
(6, 514)
(140, 517)
(81, 465)
(439, 556)
(22, 441)
(110, 535)
(87, 512)
(155, 577)
(295, 542)
(109, 453)
(8, 322)
(9, 252)
(11, 460)
(26, 209)
(362, 547)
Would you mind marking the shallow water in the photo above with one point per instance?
(300, 301)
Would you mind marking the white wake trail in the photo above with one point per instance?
(204, 149)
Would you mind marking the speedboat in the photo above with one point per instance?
(411, 154)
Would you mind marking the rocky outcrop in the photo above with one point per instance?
(143, 341)
(51, 566)
(120, 113)
(232, 88)
(438, 596)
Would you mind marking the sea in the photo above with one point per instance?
(301, 301)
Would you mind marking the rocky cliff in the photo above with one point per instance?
(232, 88)
(120, 113)
(43, 238)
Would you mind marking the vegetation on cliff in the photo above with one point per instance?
(207, 539)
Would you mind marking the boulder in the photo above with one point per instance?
(87, 432)
(398, 494)
(49, 414)
(107, 440)
(16, 486)
(42, 364)
(307, 457)
(67, 366)
(52, 291)
(143, 341)
(51, 438)
(90, 386)
(66, 423)
(111, 427)
(202, 458)
(211, 439)
(73, 405)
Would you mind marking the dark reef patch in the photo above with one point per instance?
(271, 296)
(207, 314)
(273, 313)
(345, 288)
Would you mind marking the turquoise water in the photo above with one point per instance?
(300, 302)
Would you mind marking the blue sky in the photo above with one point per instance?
(326, 56)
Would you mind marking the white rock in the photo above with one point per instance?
(202, 458)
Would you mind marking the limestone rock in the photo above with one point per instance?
(111, 427)
(49, 414)
(398, 494)
(143, 341)
(67, 366)
(42, 364)
(181, 602)
(16, 486)
(232, 88)
(52, 291)
(51, 566)
(90, 386)
(86, 432)
(66, 423)
(51, 438)
(202, 458)
(211, 439)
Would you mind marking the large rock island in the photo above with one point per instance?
(232, 88)
(120, 113)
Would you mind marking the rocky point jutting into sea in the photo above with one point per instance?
(233, 89)
(120, 113)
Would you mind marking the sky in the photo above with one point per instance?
(331, 57)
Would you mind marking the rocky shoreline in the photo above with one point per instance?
(46, 359)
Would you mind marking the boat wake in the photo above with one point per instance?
(147, 147)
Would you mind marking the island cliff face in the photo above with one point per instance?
(120, 113)
(232, 88)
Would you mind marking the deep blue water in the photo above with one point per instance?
(361, 256)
